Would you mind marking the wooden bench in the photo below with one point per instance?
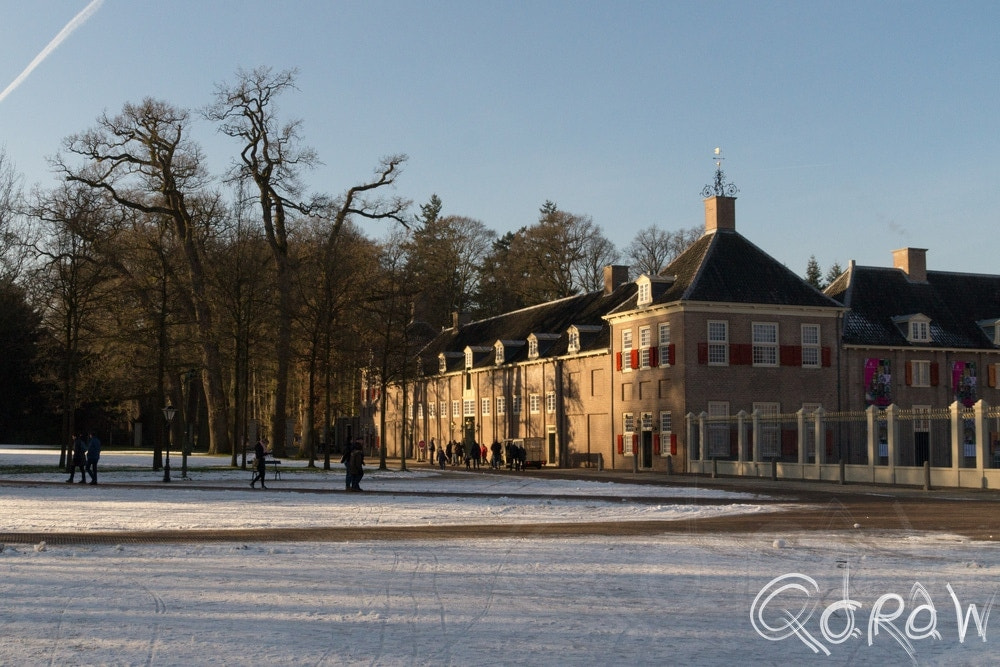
(273, 463)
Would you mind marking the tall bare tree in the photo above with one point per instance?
(144, 162)
(653, 248)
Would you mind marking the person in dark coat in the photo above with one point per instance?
(93, 455)
(356, 466)
(79, 460)
(260, 452)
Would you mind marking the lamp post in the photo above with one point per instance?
(168, 414)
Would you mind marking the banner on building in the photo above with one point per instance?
(963, 382)
(878, 382)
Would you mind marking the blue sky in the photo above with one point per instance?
(851, 128)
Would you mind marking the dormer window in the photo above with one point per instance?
(532, 347)
(442, 363)
(468, 358)
(645, 291)
(574, 340)
(500, 358)
(992, 329)
(916, 327)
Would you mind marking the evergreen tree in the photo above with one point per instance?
(813, 273)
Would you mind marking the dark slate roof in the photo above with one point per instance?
(724, 267)
(554, 317)
(954, 302)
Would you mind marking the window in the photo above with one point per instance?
(626, 350)
(515, 405)
(628, 428)
(420, 411)
(765, 344)
(468, 358)
(718, 343)
(770, 430)
(718, 429)
(484, 407)
(532, 347)
(574, 340)
(456, 409)
(550, 402)
(666, 424)
(442, 364)
(920, 373)
(646, 419)
(444, 409)
(664, 342)
(920, 331)
(645, 292)
(499, 359)
(501, 405)
(645, 340)
(810, 346)
(921, 423)
(469, 406)
(534, 403)
(431, 410)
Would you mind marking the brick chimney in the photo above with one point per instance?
(614, 276)
(720, 213)
(913, 262)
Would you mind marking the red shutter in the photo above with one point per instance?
(656, 444)
(671, 355)
(654, 357)
(935, 375)
(673, 444)
(991, 375)
(908, 374)
(618, 361)
(827, 357)
(702, 353)
(635, 359)
(621, 444)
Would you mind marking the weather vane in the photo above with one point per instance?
(719, 188)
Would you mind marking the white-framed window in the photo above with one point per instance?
(456, 409)
(515, 404)
(484, 407)
(443, 409)
(501, 405)
(550, 402)
(628, 428)
(499, 358)
(442, 364)
(770, 429)
(663, 335)
(532, 347)
(574, 340)
(469, 407)
(920, 373)
(666, 431)
(921, 424)
(420, 411)
(646, 420)
(468, 359)
(534, 403)
(810, 346)
(645, 341)
(409, 411)
(627, 350)
(645, 295)
(431, 410)
(920, 331)
(765, 343)
(718, 431)
(718, 343)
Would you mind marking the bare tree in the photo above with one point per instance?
(143, 161)
(653, 248)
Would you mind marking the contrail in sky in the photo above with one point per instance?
(77, 21)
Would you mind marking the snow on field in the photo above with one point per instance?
(765, 598)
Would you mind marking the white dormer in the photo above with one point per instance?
(442, 363)
(916, 328)
(651, 287)
(533, 341)
(992, 329)
(575, 332)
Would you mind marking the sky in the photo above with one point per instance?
(695, 598)
(850, 128)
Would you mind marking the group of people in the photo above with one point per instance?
(474, 455)
(86, 453)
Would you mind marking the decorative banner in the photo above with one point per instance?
(963, 382)
(878, 382)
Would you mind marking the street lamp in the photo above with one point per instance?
(168, 414)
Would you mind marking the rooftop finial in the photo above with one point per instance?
(719, 188)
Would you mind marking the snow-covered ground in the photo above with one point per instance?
(678, 598)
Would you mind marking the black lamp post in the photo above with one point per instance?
(168, 414)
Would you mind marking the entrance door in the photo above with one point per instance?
(646, 461)
(553, 458)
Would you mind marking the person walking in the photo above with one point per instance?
(356, 467)
(260, 457)
(442, 458)
(93, 455)
(79, 460)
